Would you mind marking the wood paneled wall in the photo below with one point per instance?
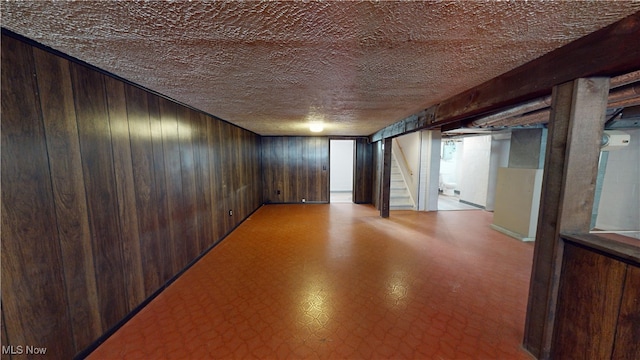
(598, 314)
(108, 191)
(295, 168)
(364, 172)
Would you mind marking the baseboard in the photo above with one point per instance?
(472, 204)
(512, 234)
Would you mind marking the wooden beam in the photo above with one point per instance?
(568, 187)
(412, 123)
(609, 51)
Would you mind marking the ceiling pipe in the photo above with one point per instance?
(516, 111)
(625, 92)
(625, 95)
(625, 79)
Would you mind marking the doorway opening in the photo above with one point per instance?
(341, 171)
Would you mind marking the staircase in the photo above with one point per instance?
(399, 199)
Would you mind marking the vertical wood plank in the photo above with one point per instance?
(224, 176)
(186, 132)
(309, 166)
(571, 161)
(213, 129)
(589, 298)
(125, 190)
(163, 237)
(292, 170)
(34, 304)
(99, 178)
(144, 180)
(312, 166)
(385, 181)
(56, 97)
(227, 186)
(256, 172)
(318, 168)
(203, 185)
(3, 329)
(276, 193)
(173, 180)
(234, 181)
(627, 342)
(265, 169)
(300, 187)
(324, 168)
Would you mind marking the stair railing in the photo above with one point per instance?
(405, 170)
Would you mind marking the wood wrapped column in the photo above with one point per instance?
(570, 169)
(385, 183)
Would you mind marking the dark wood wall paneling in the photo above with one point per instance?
(598, 314)
(295, 168)
(364, 170)
(108, 192)
(377, 173)
(32, 259)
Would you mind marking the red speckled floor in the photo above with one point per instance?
(339, 282)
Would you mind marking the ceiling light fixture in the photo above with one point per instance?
(316, 127)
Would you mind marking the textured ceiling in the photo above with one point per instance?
(271, 67)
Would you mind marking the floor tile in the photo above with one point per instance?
(337, 281)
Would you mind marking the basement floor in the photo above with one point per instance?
(337, 281)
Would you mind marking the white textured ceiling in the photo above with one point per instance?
(271, 67)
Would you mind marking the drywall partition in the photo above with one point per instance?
(517, 201)
(518, 190)
(108, 192)
(295, 168)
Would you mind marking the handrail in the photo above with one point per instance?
(404, 159)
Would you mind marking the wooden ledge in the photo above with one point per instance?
(616, 245)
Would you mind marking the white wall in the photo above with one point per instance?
(341, 165)
(500, 145)
(620, 199)
(410, 144)
(429, 170)
(474, 180)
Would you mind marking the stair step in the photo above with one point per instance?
(401, 207)
(399, 197)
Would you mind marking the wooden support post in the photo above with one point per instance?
(570, 169)
(385, 184)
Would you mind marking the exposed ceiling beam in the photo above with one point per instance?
(610, 51)
(538, 110)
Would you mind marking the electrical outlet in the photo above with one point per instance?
(230, 212)
(278, 192)
(304, 200)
